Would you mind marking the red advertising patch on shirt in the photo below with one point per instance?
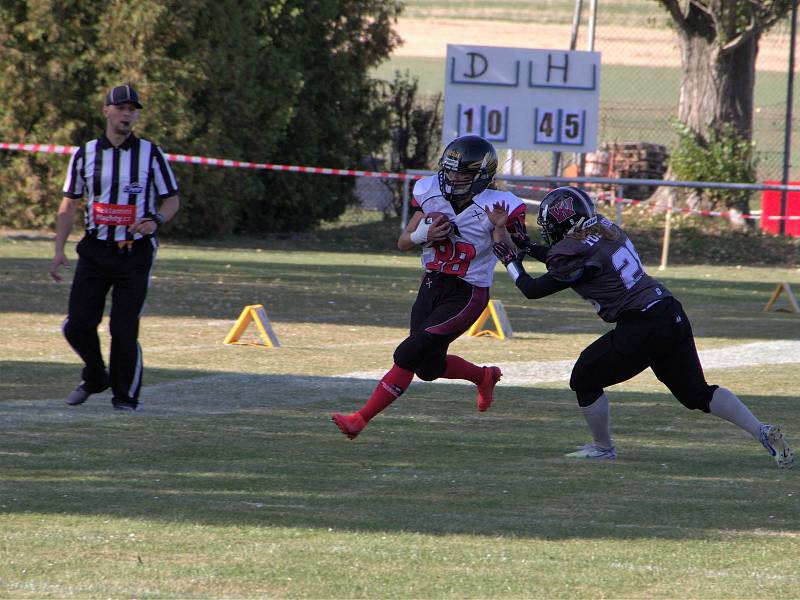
(114, 214)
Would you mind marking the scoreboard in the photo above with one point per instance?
(523, 99)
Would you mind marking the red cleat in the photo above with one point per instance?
(491, 375)
(350, 425)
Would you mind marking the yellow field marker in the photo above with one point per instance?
(502, 327)
(250, 313)
(783, 287)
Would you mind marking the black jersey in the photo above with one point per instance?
(606, 272)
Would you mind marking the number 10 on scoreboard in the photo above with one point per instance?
(489, 122)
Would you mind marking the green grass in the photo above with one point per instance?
(233, 483)
(638, 13)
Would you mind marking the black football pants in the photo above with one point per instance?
(446, 307)
(103, 266)
(660, 338)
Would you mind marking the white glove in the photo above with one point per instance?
(420, 234)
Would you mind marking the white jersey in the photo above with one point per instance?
(467, 252)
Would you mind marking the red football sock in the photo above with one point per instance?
(458, 368)
(387, 391)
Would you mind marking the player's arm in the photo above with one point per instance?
(64, 221)
(149, 225)
(510, 229)
(418, 232)
(532, 288)
(518, 233)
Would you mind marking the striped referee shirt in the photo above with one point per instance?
(121, 184)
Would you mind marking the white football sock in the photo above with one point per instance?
(598, 419)
(726, 405)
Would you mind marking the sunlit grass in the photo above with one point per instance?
(233, 482)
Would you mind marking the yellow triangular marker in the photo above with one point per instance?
(253, 312)
(783, 287)
(502, 328)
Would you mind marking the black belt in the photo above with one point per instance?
(92, 234)
(121, 246)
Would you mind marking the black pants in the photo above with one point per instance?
(102, 267)
(660, 338)
(446, 306)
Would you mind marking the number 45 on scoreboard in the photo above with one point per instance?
(557, 126)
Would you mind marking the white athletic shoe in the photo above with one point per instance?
(772, 439)
(595, 452)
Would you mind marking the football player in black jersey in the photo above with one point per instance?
(590, 254)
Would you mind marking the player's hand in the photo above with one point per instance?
(144, 226)
(504, 253)
(498, 216)
(519, 234)
(59, 260)
(439, 230)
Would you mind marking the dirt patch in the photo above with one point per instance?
(649, 47)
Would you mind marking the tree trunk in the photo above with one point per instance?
(717, 86)
(717, 89)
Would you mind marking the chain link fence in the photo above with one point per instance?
(640, 81)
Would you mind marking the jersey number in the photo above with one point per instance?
(452, 259)
(628, 264)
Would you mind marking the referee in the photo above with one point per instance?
(123, 178)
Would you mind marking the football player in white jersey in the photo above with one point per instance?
(450, 222)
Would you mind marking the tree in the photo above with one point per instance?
(719, 41)
(416, 125)
(340, 117)
(276, 81)
(46, 53)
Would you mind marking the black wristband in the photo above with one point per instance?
(159, 219)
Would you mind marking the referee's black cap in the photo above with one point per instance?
(122, 94)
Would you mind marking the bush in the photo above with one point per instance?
(723, 157)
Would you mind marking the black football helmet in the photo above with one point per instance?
(467, 155)
(564, 210)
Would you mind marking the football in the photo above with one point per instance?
(435, 218)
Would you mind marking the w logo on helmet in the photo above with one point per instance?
(562, 209)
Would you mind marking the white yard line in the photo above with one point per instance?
(730, 357)
(240, 392)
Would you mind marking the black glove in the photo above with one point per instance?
(519, 234)
(522, 240)
(505, 254)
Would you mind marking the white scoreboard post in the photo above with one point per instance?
(523, 99)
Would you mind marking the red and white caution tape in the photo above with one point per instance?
(224, 162)
(220, 162)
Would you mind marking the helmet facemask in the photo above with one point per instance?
(459, 185)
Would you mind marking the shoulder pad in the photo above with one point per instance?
(489, 197)
(569, 247)
(565, 268)
(423, 186)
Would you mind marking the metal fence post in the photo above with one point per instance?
(406, 200)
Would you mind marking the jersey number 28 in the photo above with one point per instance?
(452, 259)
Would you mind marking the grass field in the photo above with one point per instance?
(233, 482)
